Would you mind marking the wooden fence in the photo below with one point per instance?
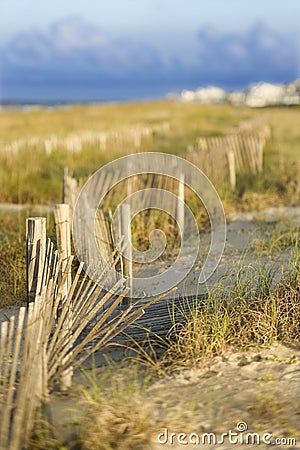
(240, 151)
(41, 344)
(129, 138)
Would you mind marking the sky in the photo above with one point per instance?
(78, 50)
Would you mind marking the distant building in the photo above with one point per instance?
(264, 94)
(256, 96)
(187, 96)
(211, 94)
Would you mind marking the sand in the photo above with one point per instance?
(259, 387)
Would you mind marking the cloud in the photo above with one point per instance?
(256, 54)
(75, 52)
(75, 34)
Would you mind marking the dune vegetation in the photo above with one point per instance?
(122, 402)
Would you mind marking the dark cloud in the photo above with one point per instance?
(73, 52)
(257, 54)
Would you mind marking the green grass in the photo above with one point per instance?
(38, 179)
(252, 310)
(12, 268)
(118, 412)
(187, 121)
(13, 256)
(277, 238)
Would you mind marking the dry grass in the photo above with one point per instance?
(278, 238)
(117, 413)
(43, 437)
(12, 253)
(39, 179)
(253, 312)
(187, 122)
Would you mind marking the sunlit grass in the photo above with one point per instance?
(251, 309)
(34, 177)
(252, 312)
(38, 178)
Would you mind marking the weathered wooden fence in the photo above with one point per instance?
(41, 344)
(106, 236)
(22, 363)
(121, 140)
(240, 151)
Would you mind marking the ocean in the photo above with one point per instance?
(69, 94)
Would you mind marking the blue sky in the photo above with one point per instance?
(122, 49)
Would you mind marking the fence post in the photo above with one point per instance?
(260, 153)
(129, 179)
(180, 204)
(70, 191)
(125, 228)
(231, 165)
(63, 236)
(65, 182)
(35, 255)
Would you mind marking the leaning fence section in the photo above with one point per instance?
(22, 363)
(44, 342)
(239, 151)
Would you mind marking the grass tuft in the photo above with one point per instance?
(255, 311)
(116, 413)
